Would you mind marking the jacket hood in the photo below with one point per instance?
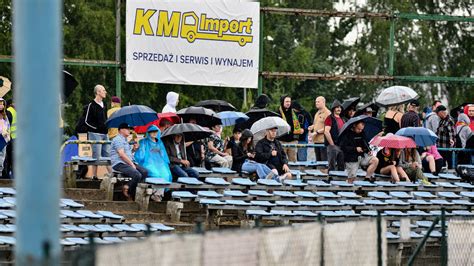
(282, 99)
(172, 99)
(335, 104)
(296, 105)
(464, 118)
(262, 101)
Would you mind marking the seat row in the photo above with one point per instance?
(10, 202)
(77, 216)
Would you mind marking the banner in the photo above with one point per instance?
(212, 43)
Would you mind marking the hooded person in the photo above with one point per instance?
(290, 116)
(305, 120)
(261, 102)
(463, 132)
(332, 127)
(172, 99)
(469, 111)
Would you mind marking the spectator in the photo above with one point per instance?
(115, 107)
(411, 118)
(432, 120)
(7, 172)
(305, 119)
(179, 165)
(122, 161)
(151, 154)
(195, 150)
(469, 111)
(164, 124)
(432, 161)
(289, 115)
(357, 153)
(215, 149)
(172, 100)
(95, 118)
(270, 152)
(332, 126)
(261, 102)
(392, 118)
(318, 127)
(446, 134)
(349, 113)
(389, 164)
(426, 111)
(243, 155)
(234, 140)
(410, 161)
(463, 134)
(4, 130)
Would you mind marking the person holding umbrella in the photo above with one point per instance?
(393, 117)
(123, 161)
(411, 118)
(332, 127)
(357, 152)
(270, 152)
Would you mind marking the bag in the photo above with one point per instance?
(81, 126)
(466, 172)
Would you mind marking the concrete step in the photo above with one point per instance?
(6, 182)
(88, 183)
(113, 206)
(84, 194)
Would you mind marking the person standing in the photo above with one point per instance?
(305, 119)
(432, 120)
(317, 128)
(332, 126)
(270, 152)
(289, 115)
(446, 134)
(357, 153)
(115, 106)
(4, 130)
(411, 118)
(393, 118)
(172, 99)
(8, 163)
(123, 161)
(95, 118)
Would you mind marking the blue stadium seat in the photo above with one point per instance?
(423, 195)
(223, 170)
(211, 202)
(361, 183)
(216, 181)
(113, 239)
(284, 194)
(305, 194)
(209, 194)
(449, 195)
(294, 183)
(262, 203)
(234, 193)
(108, 228)
(426, 224)
(162, 227)
(462, 213)
(309, 203)
(332, 203)
(449, 176)
(315, 173)
(7, 191)
(237, 203)
(341, 184)
(397, 202)
(326, 194)
(318, 183)
(76, 240)
(126, 228)
(202, 170)
(243, 182)
(304, 163)
(351, 202)
(379, 195)
(72, 214)
(287, 203)
(259, 193)
(73, 228)
(305, 213)
(464, 185)
(385, 184)
(369, 213)
(407, 184)
(391, 236)
(189, 181)
(446, 185)
(110, 215)
(330, 214)
(338, 173)
(395, 213)
(157, 181)
(435, 234)
(257, 213)
(463, 202)
(374, 202)
(347, 213)
(418, 202)
(7, 228)
(89, 214)
(295, 173)
(183, 195)
(400, 194)
(467, 194)
(396, 224)
(430, 176)
(281, 213)
(71, 203)
(415, 235)
(418, 213)
(348, 195)
(6, 203)
(92, 228)
(269, 182)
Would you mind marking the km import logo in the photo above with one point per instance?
(190, 26)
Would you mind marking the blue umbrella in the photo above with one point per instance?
(422, 136)
(373, 126)
(133, 115)
(230, 118)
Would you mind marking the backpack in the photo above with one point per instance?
(81, 126)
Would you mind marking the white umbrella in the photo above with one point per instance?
(396, 95)
(260, 127)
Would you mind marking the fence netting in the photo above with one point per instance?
(461, 242)
(350, 243)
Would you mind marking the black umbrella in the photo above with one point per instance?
(255, 115)
(70, 83)
(373, 126)
(216, 105)
(190, 132)
(457, 110)
(361, 110)
(204, 117)
(350, 103)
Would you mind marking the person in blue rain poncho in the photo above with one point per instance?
(151, 154)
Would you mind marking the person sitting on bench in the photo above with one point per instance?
(122, 161)
(179, 166)
(270, 152)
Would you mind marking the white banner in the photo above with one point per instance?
(208, 42)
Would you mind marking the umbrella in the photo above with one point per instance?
(230, 118)
(361, 110)
(373, 126)
(191, 132)
(396, 95)
(457, 110)
(216, 105)
(172, 117)
(393, 141)
(259, 128)
(133, 115)
(70, 83)
(257, 114)
(351, 102)
(204, 117)
(423, 137)
(5, 86)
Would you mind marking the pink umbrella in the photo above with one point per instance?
(393, 141)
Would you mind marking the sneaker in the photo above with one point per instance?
(270, 175)
(156, 197)
(424, 181)
(350, 180)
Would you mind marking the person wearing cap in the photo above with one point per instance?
(446, 133)
(332, 126)
(152, 155)
(411, 117)
(172, 100)
(432, 120)
(115, 106)
(215, 149)
(317, 128)
(123, 161)
(270, 152)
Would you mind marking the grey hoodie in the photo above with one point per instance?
(464, 131)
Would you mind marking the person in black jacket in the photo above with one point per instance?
(270, 152)
(288, 114)
(95, 117)
(357, 153)
(243, 155)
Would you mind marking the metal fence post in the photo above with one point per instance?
(379, 239)
(260, 61)
(118, 72)
(391, 49)
(444, 243)
(321, 221)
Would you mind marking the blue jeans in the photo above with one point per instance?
(181, 171)
(262, 169)
(99, 150)
(302, 152)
